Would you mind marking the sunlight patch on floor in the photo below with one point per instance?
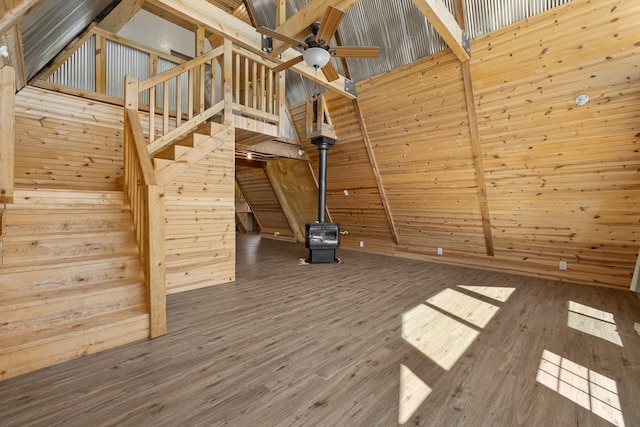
(413, 391)
(498, 294)
(442, 328)
(438, 336)
(594, 322)
(464, 307)
(589, 389)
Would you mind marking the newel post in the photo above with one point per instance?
(7, 133)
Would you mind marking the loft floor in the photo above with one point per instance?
(373, 341)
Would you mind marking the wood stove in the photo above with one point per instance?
(322, 238)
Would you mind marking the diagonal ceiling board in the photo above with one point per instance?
(445, 24)
(120, 15)
(475, 141)
(241, 33)
(298, 25)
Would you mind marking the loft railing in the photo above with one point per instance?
(250, 96)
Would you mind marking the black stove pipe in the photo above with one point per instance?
(322, 180)
(323, 144)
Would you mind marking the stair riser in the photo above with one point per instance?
(36, 316)
(33, 228)
(52, 279)
(77, 345)
(26, 250)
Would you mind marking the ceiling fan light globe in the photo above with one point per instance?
(316, 57)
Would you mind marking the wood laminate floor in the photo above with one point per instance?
(374, 341)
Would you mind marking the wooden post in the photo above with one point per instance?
(156, 273)
(227, 81)
(7, 134)
(199, 51)
(101, 64)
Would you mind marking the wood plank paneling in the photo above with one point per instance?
(264, 203)
(417, 122)
(67, 142)
(360, 212)
(200, 221)
(297, 192)
(561, 180)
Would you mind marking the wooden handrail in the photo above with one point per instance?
(146, 201)
(146, 165)
(176, 71)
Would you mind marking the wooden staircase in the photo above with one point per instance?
(71, 280)
(185, 152)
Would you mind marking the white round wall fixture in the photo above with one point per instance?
(582, 99)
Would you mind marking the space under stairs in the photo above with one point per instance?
(71, 280)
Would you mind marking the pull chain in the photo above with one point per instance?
(315, 82)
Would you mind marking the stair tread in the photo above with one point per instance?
(49, 295)
(58, 331)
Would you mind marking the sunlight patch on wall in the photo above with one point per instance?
(498, 294)
(413, 391)
(594, 322)
(589, 389)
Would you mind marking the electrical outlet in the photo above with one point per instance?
(439, 251)
(361, 244)
(562, 265)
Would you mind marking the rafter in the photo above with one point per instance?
(120, 15)
(445, 24)
(219, 22)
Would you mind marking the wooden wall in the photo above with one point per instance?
(297, 192)
(64, 141)
(200, 222)
(361, 212)
(562, 181)
(257, 190)
(67, 142)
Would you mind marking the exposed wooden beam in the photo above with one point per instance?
(14, 16)
(219, 22)
(275, 148)
(445, 24)
(281, 12)
(120, 15)
(476, 148)
(298, 25)
(376, 173)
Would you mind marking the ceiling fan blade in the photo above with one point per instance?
(355, 51)
(289, 63)
(276, 35)
(329, 25)
(330, 73)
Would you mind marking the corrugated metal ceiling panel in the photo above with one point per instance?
(400, 29)
(53, 24)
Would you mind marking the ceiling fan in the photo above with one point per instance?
(316, 50)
